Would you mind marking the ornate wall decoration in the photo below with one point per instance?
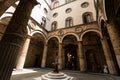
(60, 33)
(32, 24)
(78, 29)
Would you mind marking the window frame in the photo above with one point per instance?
(69, 22)
(43, 22)
(54, 26)
(87, 17)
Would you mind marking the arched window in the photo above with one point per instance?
(68, 10)
(85, 5)
(55, 15)
(43, 23)
(69, 22)
(54, 26)
(45, 11)
(55, 4)
(87, 17)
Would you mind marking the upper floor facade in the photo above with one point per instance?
(57, 14)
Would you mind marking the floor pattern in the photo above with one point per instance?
(35, 74)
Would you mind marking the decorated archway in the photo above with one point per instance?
(70, 58)
(51, 52)
(93, 51)
(35, 51)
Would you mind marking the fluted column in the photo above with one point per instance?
(60, 56)
(13, 37)
(108, 56)
(115, 39)
(44, 56)
(22, 54)
(81, 56)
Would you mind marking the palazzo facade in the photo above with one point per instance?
(84, 34)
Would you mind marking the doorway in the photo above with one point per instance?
(70, 57)
(95, 58)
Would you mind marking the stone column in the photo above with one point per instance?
(22, 54)
(13, 37)
(115, 39)
(60, 56)
(108, 56)
(81, 56)
(44, 56)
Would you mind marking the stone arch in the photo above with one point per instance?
(40, 32)
(93, 51)
(70, 50)
(35, 51)
(96, 31)
(77, 37)
(52, 51)
(53, 37)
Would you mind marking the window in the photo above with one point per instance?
(87, 17)
(69, 22)
(43, 23)
(56, 4)
(68, 10)
(45, 11)
(85, 4)
(55, 15)
(54, 26)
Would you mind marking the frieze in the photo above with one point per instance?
(76, 29)
(61, 32)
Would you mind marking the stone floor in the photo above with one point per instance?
(35, 73)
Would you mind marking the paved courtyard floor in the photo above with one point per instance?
(35, 74)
